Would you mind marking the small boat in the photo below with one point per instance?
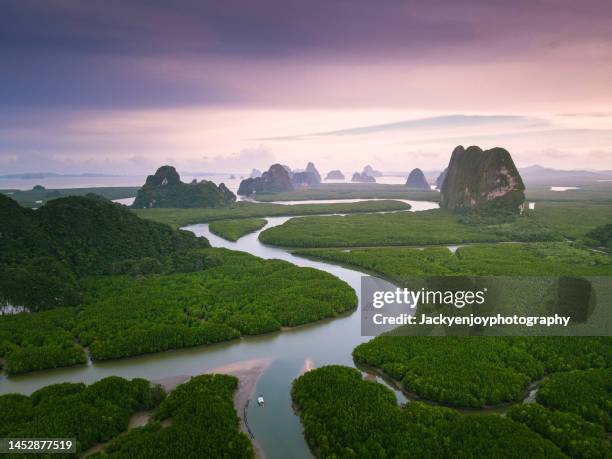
(260, 400)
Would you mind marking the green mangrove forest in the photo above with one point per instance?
(346, 416)
(92, 414)
(245, 209)
(233, 294)
(232, 230)
(196, 420)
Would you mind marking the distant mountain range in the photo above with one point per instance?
(42, 175)
(532, 175)
(539, 175)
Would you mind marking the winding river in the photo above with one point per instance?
(276, 427)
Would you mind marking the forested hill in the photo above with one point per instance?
(20, 236)
(94, 234)
(74, 236)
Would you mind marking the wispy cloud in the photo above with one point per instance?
(588, 115)
(431, 123)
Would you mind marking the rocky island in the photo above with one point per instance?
(363, 177)
(440, 179)
(165, 189)
(310, 176)
(416, 180)
(482, 180)
(274, 180)
(334, 175)
(369, 170)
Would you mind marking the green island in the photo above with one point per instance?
(521, 259)
(244, 209)
(428, 227)
(476, 372)
(92, 414)
(232, 230)
(197, 419)
(232, 294)
(549, 221)
(166, 189)
(349, 417)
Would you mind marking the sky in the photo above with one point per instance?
(123, 87)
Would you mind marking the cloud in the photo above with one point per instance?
(588, 114)
(283, 28)
(432, 123)
(66, 164)
(112, 53)
(241, 161)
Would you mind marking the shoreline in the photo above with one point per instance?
(248, 373)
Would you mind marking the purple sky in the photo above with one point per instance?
(124, 86)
